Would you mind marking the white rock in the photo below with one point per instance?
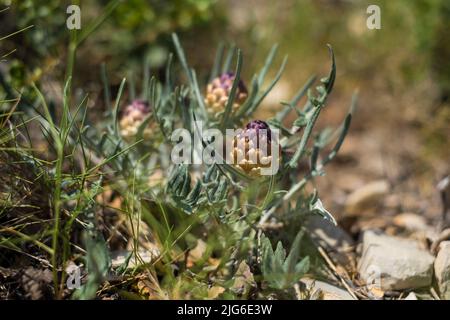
(411, 221)
(442, 269)
(393, 263)
(119, 257)
(366, 197)
(411, 296)
(327, 291)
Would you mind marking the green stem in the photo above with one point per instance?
(57, 215)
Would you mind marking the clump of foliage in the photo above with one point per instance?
(99, 191)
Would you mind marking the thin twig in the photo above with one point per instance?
(333, 268)
(434, 294)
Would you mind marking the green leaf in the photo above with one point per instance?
(98, 264)
(305, 137)
(228, 59)
(232, 96)
(317, 206)
(294, 253)
(198, 95)
(302, 267)
(301, 121)
(195, 194)
(268, 89)
(181, 56)
(293, 103)
(117, 107)
(277, 124)
(107, 93)
(329, 82)
(218, 59)
(267, 63)
(279, 257)
(169, 72)
(267, 255)
(344, 131)
(143, 125)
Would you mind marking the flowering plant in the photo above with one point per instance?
(190, 229)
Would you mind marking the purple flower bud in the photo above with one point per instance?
(227, 80)
(219, 90)
(254, 127)
(252, 148)
(132, 117)
(137, 105)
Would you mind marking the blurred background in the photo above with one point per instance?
(402, 73)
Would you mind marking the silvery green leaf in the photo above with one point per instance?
(291, 260)
(318, 207)
(222, 189)
(329, 82)
(301, 121)
(302, 267)
(98, 264)
(194, 195)
(293, 103)
(233, 91)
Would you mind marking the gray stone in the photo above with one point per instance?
(442, 269)
(366, 197)
(326, 291)
(394, 263)
(338, 244)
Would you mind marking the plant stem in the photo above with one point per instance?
(57, 214)
(286, 197)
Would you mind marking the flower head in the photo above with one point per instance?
(219, 90)
(132, 117)
(252, 148)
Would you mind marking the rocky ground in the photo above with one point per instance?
(398, 256)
